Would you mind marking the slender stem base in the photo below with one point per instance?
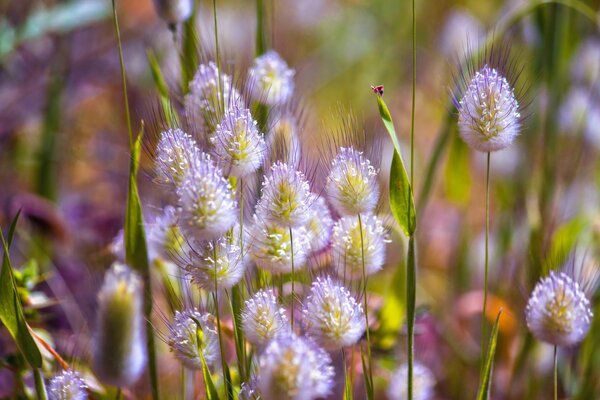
(555, 374)
(486, 262)
(293, 278)
(366, 305)
(411, 282)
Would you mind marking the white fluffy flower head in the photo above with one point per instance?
(346, 245)
(285, 197)
(271, 247)
(68, 385)
(193, 335)
(423, 383)
(207, 202)
(331, 315)
(238, 143)
(294, 368)
(488, 113)
(558, 311)
(176, 152)
(352, 185)
(319, 224)
(263, 318)
(272, 81)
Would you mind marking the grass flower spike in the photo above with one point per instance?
(263, 318)
(119, 353)
(271, 81)
(176, 153)
(207, 201)
(423, 383)
(346, 245)
(68, 385)
(488, 113)
(319, 225)
(295, 368)
(193, 335)
(331, 315)
(352, 186)
(237, 143)
(558, 311)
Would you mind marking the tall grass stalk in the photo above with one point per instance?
(293, 278)
(40, 388)
(368, 371)
(555, 374)
(486, 260)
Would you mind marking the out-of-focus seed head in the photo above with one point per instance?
(248, 391)
(263, 318)
(352, 186)
(271, 80)
(173, 11)
(331, 315)
(558, 311)
(585, 68)
(204, 105)
(238, 143)
(488, 113)
(119, 355)
(176, 152)
(271, 248)
(165, 239)
(192, 336)
(319, 224)
(68, 385)
(207, 202)
(285, 197)
(284, 141)
(294, 368)
(423, 383)
(216, 264)
(346, 245)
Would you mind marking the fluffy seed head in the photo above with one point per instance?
(263, 318)
(192, 336)
(217, 263)
(207, 202)
(164, 236)
(331, 315)
(285, 197)
(319, 224)
(68, 385)
(346, 245)
(271, 247)
(283, 140)
(352, 186)
(119, 355)
(488, 113)
(271, 80)
(176, 152)
(204, 104)
(558, 312)
(423, 383)
(237, 142)
(173, 11)
(294, 368)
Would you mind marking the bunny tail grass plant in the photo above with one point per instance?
(67, 385)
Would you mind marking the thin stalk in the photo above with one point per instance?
(293, 276)
(123, 78)
(221, 348)
(555, 374)
(40, 388)
(118, 394)
(411, 281)
(218, 56)
(486, 262)
(348, 384)
(260, 28)
(366, 306)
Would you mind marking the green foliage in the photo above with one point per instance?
(486, 374)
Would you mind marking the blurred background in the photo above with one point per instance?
(64, 160)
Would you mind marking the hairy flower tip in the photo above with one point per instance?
(207, 202)
(423, 383)
(558, 311)
(216, 264)
(331, 315)
(271, 247)
(285, 197)
(119, 356)
(352, 186)
(192, 336)
(296, 368)
(165, 239)
(68, 385)
(488, 113)
(173, 11)
(263, 318)
(347, 249)
(238, 143)
(209, 98)
(284, 141)
(248, 391)
(271, 80)
(176, 153)
(319, 224)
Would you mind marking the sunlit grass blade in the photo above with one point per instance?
(190, 49)
(367, 376)
(163, 90)
(209, 386)
(228, 383)
(240, 345)
(486, 377)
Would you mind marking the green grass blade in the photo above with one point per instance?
(189, 50)
(411, 296)
(163, 90)
(261, 45)
(11, 310)
(209, 386)
(486, 377)
(228, 383)
(366, 376)
(240, 349)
